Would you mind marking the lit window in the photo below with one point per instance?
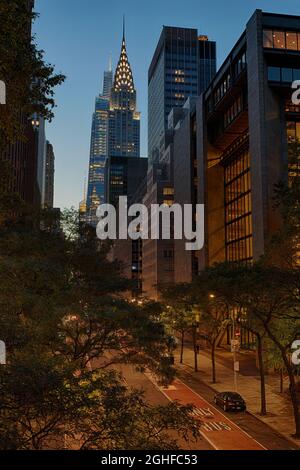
(279, 39)
(168, 191)
(291, 41)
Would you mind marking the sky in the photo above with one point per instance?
(79, 36)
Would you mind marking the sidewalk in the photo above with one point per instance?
(280, 414)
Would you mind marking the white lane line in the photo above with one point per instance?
(153, 381)
(235, 425)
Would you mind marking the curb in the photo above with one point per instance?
(285, 436)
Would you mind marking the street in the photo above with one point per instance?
(220, 431)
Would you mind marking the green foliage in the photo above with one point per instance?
(29, 80)
(66, 327)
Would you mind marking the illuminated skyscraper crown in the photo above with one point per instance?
(123, 76)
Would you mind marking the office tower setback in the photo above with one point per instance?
(182, 66)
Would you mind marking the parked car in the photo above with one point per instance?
(230, 401)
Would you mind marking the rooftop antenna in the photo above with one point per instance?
(123, 28)
(110, 63)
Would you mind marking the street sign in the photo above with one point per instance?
(2, 353)
(235, 345)
(236, 366)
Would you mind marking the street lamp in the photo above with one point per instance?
(234, 348)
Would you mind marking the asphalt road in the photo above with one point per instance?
(248, 423)
(221, 431)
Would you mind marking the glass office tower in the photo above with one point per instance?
(182, 66)
(98, 150)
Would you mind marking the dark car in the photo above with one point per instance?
(230, 401)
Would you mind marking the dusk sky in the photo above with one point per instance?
(78, 38)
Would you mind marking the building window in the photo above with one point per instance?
(268, 38)
(168, 202)
(289, 40)
(168, 191)
(234, 110)
(279, 39)
(286, 75)
(283, 74)
(274, 74)
(238, 208)
(293, 138)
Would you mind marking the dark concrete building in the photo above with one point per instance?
(22, 155)
(49, 175)
(237, 138)
(123, 175)
(126, 176)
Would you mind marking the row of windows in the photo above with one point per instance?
(182, 75)
(240, 229)
(222, 89)
(238, 208)
(291, 108)
(293, 135)
(239, 65)
(168, 191)
(237, 166)
(233, 111)
(283, 74)
(237, 187)
(293, 130)
(241, 250)
(289, 40)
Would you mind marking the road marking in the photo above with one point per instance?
(217, 429)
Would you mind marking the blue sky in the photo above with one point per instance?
(78, 37)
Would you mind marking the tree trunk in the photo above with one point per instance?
(182, 347)
(195, 348)
(293, 390)
(263, 410)
(294, 397)
(281, 380)
(213, 362)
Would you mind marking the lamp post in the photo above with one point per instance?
(234, 348)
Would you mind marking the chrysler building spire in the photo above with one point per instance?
(123, 76)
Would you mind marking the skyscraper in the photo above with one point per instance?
(182, 66)
(123, 130)
(98, 150)
(124, 120)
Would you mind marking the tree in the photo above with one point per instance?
(182, 315)
(60, 309)
(178, 320)
(264, 292)
(29, 80)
